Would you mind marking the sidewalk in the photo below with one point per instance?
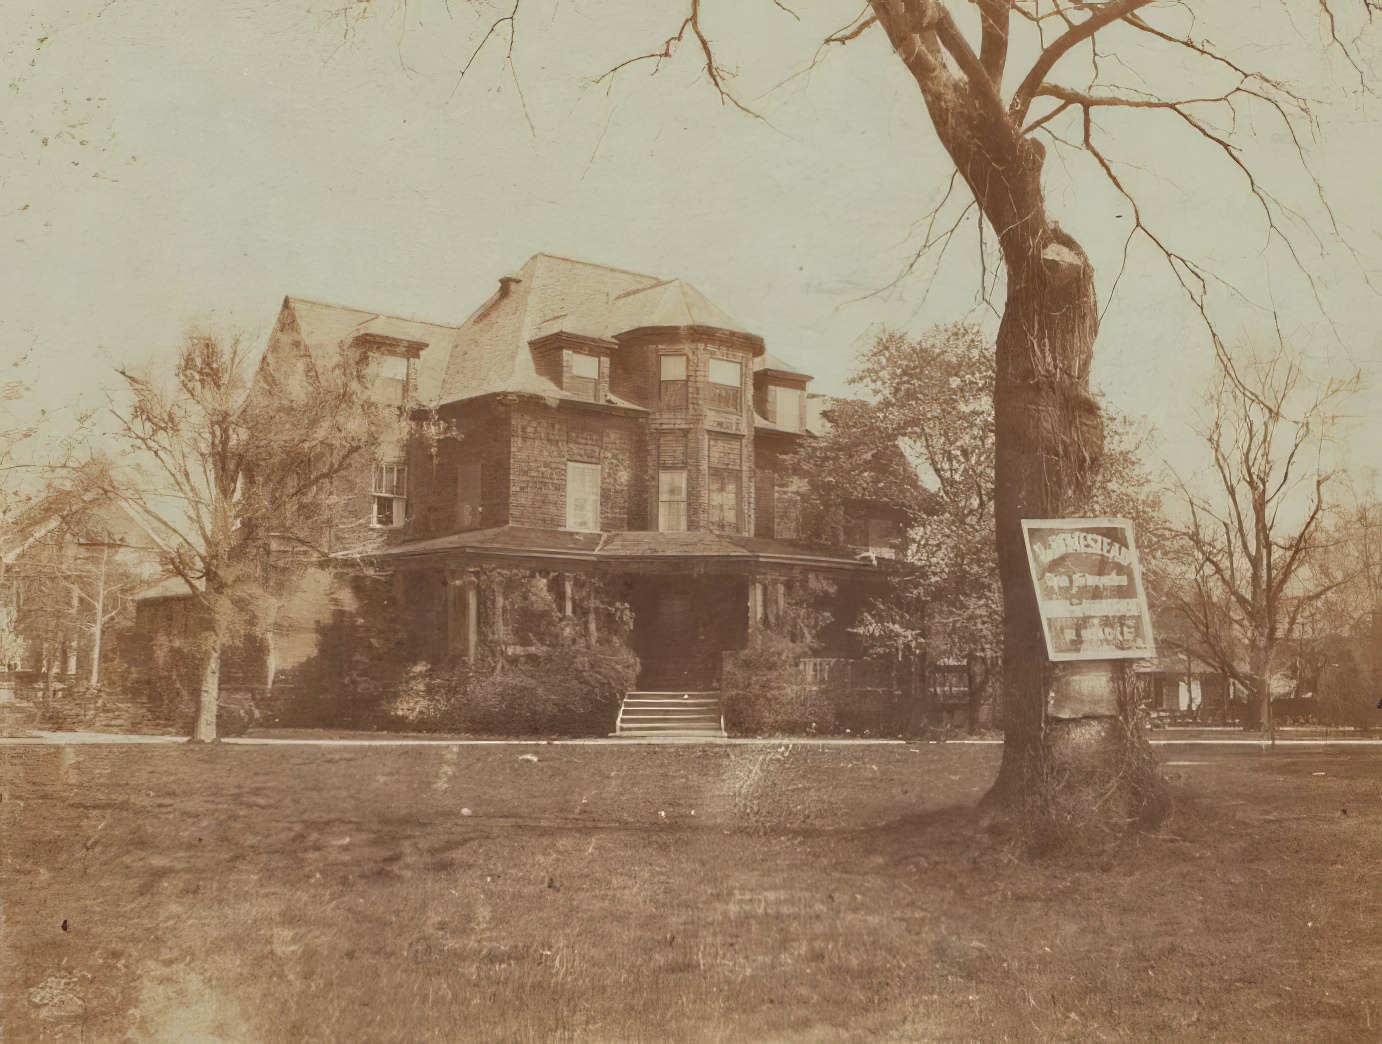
(1232, 738)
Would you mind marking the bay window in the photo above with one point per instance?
(672, 381)
(726, 384)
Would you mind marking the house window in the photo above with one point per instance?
(725, 457)
(788, 406)
(673, 381)
(884, 535)
(671, 500)
(388, 378)
(583, 497)
(726, 384)
(671, 482)
(583, 376)
(390, 496)
(468, 496)
(723, 500)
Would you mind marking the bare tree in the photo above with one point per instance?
(1334, 656)
(230, 469)
(1253, 545)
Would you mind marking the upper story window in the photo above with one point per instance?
(724, 476)
(726, 384)
(672, 381)
(671, 500)
(390, 492)
(884, 536)
(388, 378)
(583, 375)
(671, 482)
(583, 497)
(788, 407)
(468, 512)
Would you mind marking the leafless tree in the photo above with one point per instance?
(1254, 544)
(232, 471)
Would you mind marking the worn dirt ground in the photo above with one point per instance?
(606, 893)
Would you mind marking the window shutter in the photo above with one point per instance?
(672, 451)
(726, 451)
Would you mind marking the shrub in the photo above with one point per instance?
(567, 688)
(764, 692)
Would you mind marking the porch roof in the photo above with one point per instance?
(638, 546)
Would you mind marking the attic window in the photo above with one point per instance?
(582, 375)
(388, 378)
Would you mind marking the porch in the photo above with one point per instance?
(680, 600)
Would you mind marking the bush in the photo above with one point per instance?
(764, 693)
(566, 688)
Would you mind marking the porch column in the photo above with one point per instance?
(472, 615)
(777, 603)
(755, 602)
(568, 599)
(591, 631)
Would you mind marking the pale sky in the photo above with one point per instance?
(165, 164)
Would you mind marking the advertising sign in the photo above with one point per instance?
(1089, 588)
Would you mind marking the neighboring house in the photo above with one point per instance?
(598, 428)
(69, 575)
(1182, 685)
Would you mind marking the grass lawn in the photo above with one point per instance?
(666, 894)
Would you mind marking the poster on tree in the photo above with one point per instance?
(1089, 588)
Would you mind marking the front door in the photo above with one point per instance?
(675, 638)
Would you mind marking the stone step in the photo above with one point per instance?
(675, 714)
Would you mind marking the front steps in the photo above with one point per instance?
(671, 715)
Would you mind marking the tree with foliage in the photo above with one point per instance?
(229, 466)
(1253, 541)
(922, 443)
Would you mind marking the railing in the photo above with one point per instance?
(849, 674)
(873, 554)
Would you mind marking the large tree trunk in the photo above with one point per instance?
(977, 680)
(1049, 441)
(204, 728)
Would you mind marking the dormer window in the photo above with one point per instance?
(388, 378)
(787, 407)
(726, 384)
(582, 375)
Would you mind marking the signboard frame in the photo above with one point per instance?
(1045, 605)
